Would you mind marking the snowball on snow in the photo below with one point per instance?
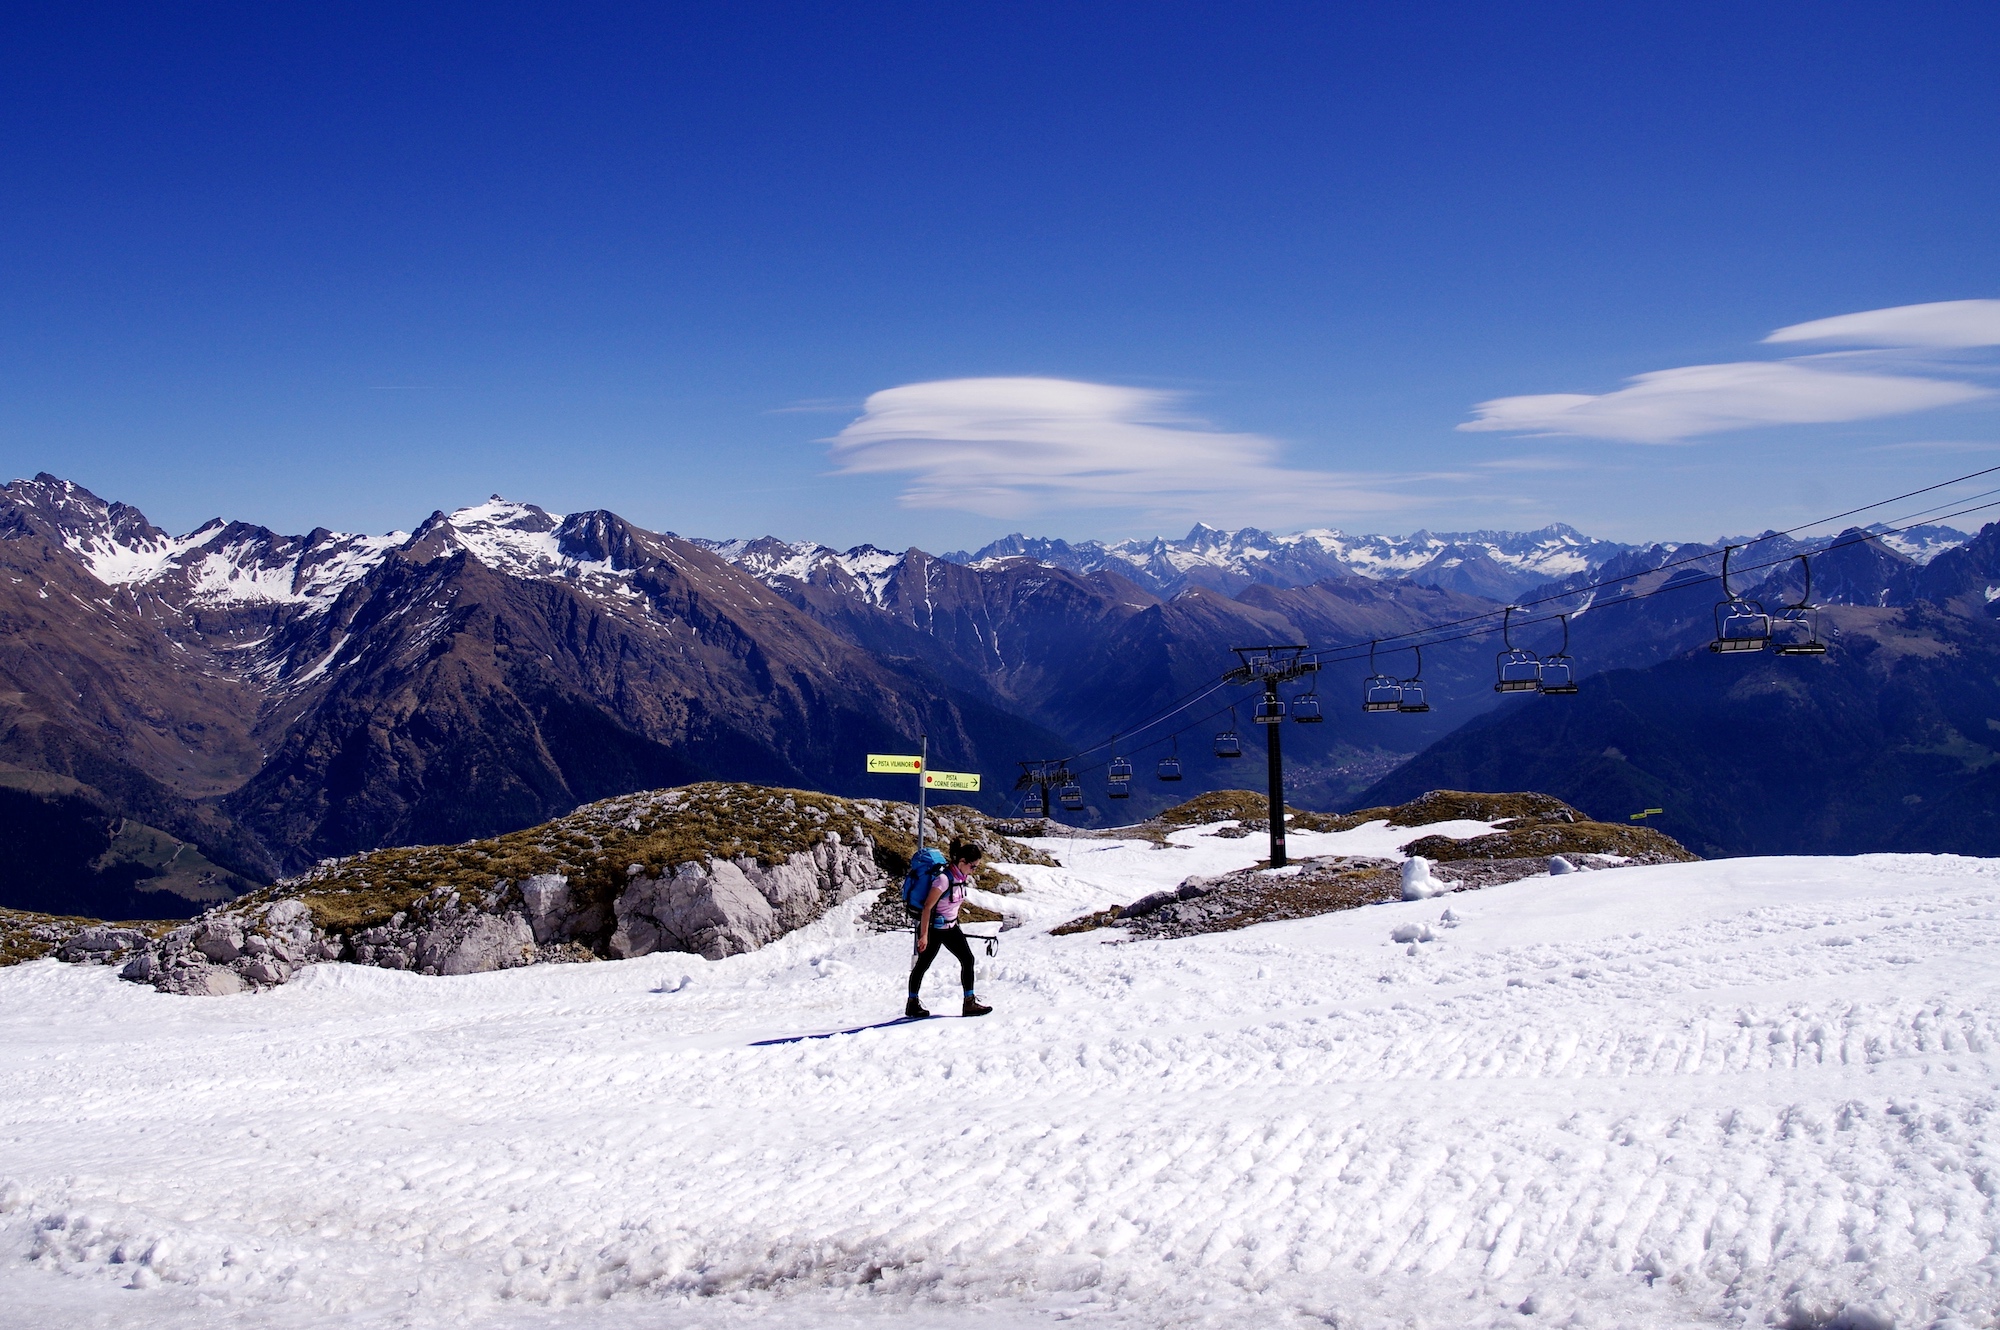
(1418, 884)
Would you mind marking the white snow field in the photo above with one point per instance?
(1748, 1092)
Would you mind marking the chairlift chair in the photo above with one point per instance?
(1380, 692)
(1170, 766)
(1559, 670)
(1228, 743)
(1121, 778)
(1072, 797)
(1796, 629)
(1414, 702)
(1516, 670)
(1740, 624)
(1305, 709)
(1268, 711)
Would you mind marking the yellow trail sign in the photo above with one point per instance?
(952, 780)
(893, 762)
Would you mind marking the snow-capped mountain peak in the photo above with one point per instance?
(114, 540)
(215, 565)
(772, 561)
(509, 537)
(1922, 543)
(1491, 563)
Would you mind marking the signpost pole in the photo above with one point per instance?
(923, 786)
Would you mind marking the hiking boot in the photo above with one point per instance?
(974, 1007)
(914, 1010)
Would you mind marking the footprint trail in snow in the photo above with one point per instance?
(1738, 1091)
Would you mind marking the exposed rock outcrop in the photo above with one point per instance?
(713, 869)
(229, 950)
(727, 907)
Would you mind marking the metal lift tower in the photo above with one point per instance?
(1271, 666)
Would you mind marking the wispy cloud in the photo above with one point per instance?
(1940, 323)
(1672, 404)
(1013, 447)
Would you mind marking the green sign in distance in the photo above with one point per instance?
(952, 780)
(892, 762)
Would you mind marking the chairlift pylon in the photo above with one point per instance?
(1414, 701)
(1740, 624)
(1515, 670)
(1559, 670)
(1229, 743)
(1796, 629)
(1170, 766)
(1380, 692)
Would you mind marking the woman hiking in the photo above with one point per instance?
(937, 928)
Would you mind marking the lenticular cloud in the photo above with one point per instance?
(1007, 447)
(1942, 323)
(1672, 404)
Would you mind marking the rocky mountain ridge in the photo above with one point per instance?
(712, 869)
(1486, 563)
(186, 715)
(720, 870)
(496, 667)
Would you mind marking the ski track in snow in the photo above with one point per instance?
(1739, 1092)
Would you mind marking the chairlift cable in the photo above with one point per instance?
(1428, 633)
(1884, 503)
(1709, 553)
(1424, 633)
(1460, 637)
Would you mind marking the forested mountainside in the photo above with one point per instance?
(1891, 741)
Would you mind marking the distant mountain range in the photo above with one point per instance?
(1499, 565)
(1891, 741)
(1481, 563)
(182, 715)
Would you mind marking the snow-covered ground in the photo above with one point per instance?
(1742, 1092)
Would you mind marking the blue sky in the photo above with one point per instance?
(927, 274)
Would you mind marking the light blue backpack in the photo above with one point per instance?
(925, 866)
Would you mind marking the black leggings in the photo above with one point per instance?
(952, 940)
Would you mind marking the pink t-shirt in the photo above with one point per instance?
(946, 912)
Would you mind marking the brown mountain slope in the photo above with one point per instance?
(444, 699)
